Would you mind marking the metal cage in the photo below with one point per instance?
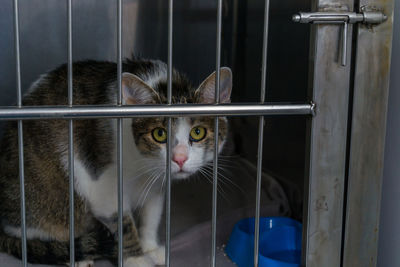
(337, 160)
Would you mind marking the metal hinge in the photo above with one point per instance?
(344, 18)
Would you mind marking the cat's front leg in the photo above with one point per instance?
(132, 250)
(150, 221)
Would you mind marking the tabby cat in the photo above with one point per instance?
(144, 160)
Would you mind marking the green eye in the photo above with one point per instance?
(159, 134)
(197, 133)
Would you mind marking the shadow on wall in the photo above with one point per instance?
(43, 37)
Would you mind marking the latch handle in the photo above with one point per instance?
(343, 18)
(344, 43)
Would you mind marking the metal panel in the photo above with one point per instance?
(330, 82)
(371, 86)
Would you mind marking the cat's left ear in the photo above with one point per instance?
(135, 91)
(205, 94)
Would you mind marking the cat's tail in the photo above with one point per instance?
(93, 245)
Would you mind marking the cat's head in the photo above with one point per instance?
(192, 138)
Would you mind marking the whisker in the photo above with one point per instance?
(210, 165)
(146, 171)
(226, 171)
(228, 156)
(211, 174)
(163, 182)
(219, 187)
(151, 186)
(224, 180)
(145, 187)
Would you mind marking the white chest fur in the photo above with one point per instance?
(102, 192)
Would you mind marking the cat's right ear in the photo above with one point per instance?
(206, 91)
(135, 91)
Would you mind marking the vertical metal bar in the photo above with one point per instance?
(70, 85)
(120, 193)
(216, 130)
(261, 133)
(218, 51)
(17, 53)
(71, 194)
(170, 51)
(215, 195)
(119, 137)
(22, 191)
(119, 51)
(20, 135)
(258, 189)
(70, 142)
(168, 165)
(264, 53)
(344, 43)
(168, 198)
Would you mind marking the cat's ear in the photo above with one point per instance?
(135, 91)
(206, 91)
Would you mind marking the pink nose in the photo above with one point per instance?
(180, 154)
(179, 159)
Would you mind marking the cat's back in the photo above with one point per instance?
(46, 142)
(93, 83)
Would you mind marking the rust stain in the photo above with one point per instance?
(321, 204)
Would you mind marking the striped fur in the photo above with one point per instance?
(46, 163)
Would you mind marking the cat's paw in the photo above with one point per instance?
(157, 255)
(138, 261)
(148, 245)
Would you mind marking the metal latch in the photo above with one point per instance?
(344, 18)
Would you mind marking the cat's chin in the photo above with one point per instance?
(181, 175)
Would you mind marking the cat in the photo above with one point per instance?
(144, 161)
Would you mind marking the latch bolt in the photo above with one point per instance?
(344, 18)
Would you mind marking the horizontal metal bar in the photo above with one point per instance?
(92, 112)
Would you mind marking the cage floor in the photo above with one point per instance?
(191, 215)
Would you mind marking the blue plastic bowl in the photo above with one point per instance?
(280, 242)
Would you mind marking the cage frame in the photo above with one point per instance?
(341, 248)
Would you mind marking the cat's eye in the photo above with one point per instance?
(197, 133)
(160, 135)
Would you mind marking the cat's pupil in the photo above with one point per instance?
(160, 132)
(197, 131)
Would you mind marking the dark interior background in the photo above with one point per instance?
(43, 47)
